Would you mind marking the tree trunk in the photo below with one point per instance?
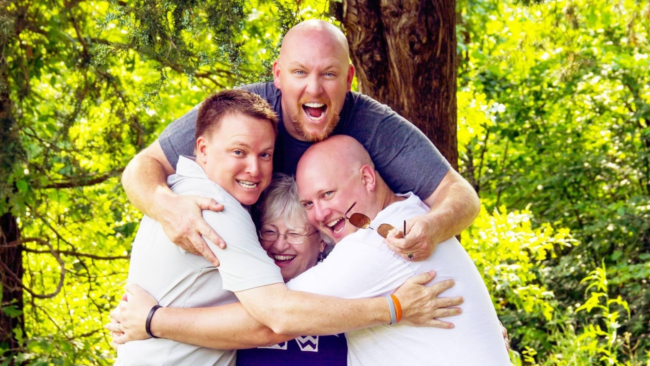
(11, 267)
(404, 52)
(12, 293)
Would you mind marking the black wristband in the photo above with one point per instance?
(147, 325)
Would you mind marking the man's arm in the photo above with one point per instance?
(454, 205)
(145, 183)
(292, 312)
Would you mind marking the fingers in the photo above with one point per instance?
(120, 338)
(207, 232)
(135, 290)
(447, 302)
(202, 248)
(446, 312)
(441, 287)
(423, 278)
(206, 203)
(438, 324)
(113, 327)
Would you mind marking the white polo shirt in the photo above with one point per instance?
(361, 265)
(179, 279)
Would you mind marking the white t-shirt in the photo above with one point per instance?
(179, 279)
(361, 265)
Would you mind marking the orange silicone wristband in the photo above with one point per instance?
(398, 307)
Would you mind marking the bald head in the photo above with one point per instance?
(335, 175)
(340, 155)
(315, 31)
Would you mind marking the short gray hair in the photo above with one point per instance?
(281, 200)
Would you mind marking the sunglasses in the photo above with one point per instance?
(362, 221)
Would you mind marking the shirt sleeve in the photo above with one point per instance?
(404, 157)
(244, 263)
(354, 270)
(178, 138)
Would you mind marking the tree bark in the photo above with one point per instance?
(12, 293)
(404, 52)
(11, 270)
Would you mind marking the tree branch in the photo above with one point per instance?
(84, 181)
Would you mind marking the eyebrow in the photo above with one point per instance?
(238, 143)
(331, 65)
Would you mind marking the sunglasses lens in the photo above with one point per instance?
(360, 220)
(383, 230)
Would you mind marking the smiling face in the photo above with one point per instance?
(314, 74)
(237, 154)
(332, 175)
(327, 197)
(293, 259)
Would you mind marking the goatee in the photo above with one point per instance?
(298, 124)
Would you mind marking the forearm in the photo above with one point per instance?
(145, 179)
(454, 207)
(299, 313)
(292, 314)
(223, 327)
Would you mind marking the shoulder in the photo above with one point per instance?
(266, 90)
(367, 120)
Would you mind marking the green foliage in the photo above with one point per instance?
(553, 113)
(554, 106)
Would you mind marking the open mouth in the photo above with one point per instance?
(248, 185)
(337, 225)
(315, 111)
(283, 260)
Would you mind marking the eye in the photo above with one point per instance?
(328, 194)
(307, 205)
(238, 152)
(299, 72)
(330, 74)
(266, 155)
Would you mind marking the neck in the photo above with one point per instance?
(384, 198)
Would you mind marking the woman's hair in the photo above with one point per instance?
(281, 200)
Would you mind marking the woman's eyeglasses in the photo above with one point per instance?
(291, 238)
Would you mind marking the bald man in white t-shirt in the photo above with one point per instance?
(332, 176)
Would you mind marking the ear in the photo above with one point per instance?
(201, 146)
(350, 76)
(276, 74)
(369, 177)
(322, 245)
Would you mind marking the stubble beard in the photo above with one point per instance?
(298, 124)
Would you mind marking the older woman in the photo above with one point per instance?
(286, 235)
(295, 246)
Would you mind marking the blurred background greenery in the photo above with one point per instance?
(553, 132)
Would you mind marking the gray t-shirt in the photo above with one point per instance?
(404, 157)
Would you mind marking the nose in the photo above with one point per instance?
(314, 87)
(253, 167)
(320, 213)
(281, 244)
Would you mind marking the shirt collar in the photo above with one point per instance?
(188, 167)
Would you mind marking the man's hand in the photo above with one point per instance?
(420, 240)
(128, 319)
(182, 220)
(421, 305)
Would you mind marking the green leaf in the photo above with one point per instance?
(22, 186)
